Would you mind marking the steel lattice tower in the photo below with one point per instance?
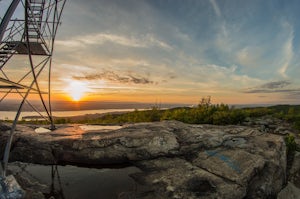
(27, 31)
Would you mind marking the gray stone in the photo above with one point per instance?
(178, 160)
(10, 189)
(33, 188)
(289, 192)
(177, 178)
(294, 172)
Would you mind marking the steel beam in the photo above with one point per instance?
(7, 17)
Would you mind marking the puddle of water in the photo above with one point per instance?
(71, 182)
(42, 130)
(98, 127)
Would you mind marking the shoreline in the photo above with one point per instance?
(9, 115)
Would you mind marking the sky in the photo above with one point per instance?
(174, 51)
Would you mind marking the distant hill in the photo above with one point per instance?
(11, 105)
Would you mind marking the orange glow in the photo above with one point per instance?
(77, 90)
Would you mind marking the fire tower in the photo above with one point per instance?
(27, 33)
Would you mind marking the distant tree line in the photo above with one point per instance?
(204, 113)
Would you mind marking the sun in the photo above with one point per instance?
(77, 89)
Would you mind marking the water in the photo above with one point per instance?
(71, 182)
(10, 115)
(99, 127)
(102, 128)
(42, 130)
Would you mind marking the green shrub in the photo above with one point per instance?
(290, 142)
(297, 125)
(221, 118)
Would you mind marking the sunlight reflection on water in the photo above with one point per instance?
(98, 127)
(42, 130)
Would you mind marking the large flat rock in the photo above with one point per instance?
(178, 160)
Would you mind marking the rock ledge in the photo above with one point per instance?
(178, 160)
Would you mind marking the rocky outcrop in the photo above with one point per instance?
(178, 160)
(276, 126)
(294, 172)
(270, 124)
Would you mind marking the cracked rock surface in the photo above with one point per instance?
(177, 160)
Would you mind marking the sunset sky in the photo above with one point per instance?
(243, 52)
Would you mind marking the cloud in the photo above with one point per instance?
(145, 41)
(113, 77)
(215, 7)
(273, 87)
(272, 91)
(287, 50)
(249, 56)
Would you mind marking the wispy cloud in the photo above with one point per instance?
(68, 70)
(114, 77)
(175, 48)
(215, 7)
(144, 41)
(249, 56)
(287, 49)
(213, 78)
